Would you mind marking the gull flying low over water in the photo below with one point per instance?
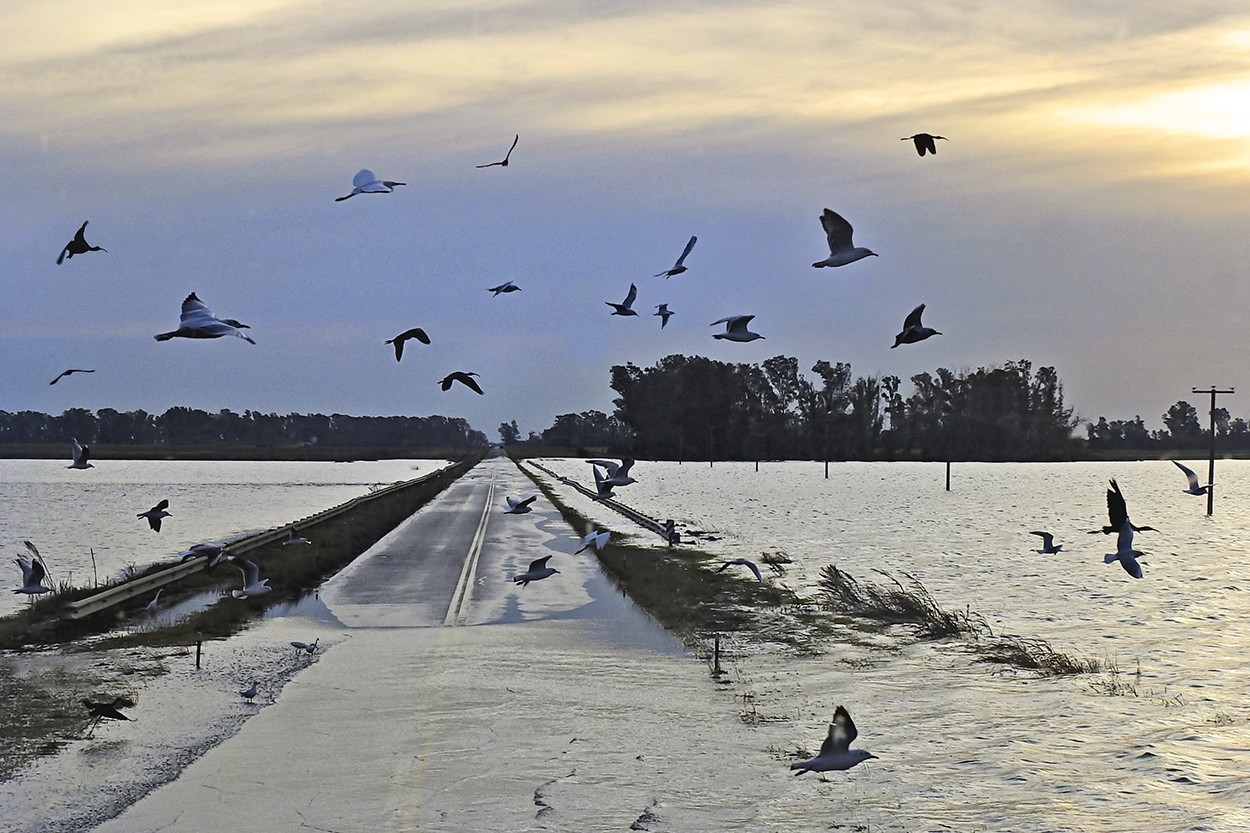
(625, 307)
(101, 711)
(155, 514)
(463, 378)
(736, 328)
(1117, 512)
(835, 752)
(595, 538)
(253, 584)
(617, 473)
(537, 572)
(679, 267)
(509, 286)
(912, 329)
(82, 453)
(841, 250)
(33, 574)
(1049, 547)
(663, 311)
(365, 182)
(506, 157)
(250, 692)
(214, 553)
(924, 142)
(78, 246)
(398, 341)
(518, 507)
(198, 321)
(1194, 488)
(69, 372)
(1124, 552)
(743, 562)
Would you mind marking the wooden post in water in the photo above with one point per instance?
(948, 475)
(716, 669)
(1211, 461)
(199, 646)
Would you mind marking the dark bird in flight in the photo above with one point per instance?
(924, 142)
(836, 752)
(537, 572)
(507, 156)
(665, 313)
(198, 321)
(743, 562)
(69, 372)
(398, 341)
(912, 329)
(463, 378)
(365, 182)
(625, 307)
(503, 287)
(155, 514)
(106, 711)
(1117, 512)
(77, 246)
(678, 268)
(838, 233)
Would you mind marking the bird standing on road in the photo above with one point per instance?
(679, 267)
(155, 514)
(251, 691)
(537, 572)
(78, 246)
(398, 341)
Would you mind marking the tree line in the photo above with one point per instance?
(1183, 428)
(188, 426)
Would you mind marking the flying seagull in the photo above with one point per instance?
(745, 562)
(507, 156)
(155, 514)
(678, 268)
(618, 473)
(537, 572)
(151, 606)
(624, 308)
(366, 183)
(841, 250)
(69, 372)
(912, 330)
(213, 553)
(307, 647)
(398, 341)
(293, 537)
(603, 490)
(1194, 488)
(78, 246)
(924, 142)
(100, 711)
(835, 752)
(253, 584)
(1124, 552)
(1117, 512)
(736, 328)
(463, 378)
(663, 311)
(198, 321)
(33, 575)
(82, 453)
(1049, 547)
(518, 507)
(597, 539)
(503, 287)
(251, 692)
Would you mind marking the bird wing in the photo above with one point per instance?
(1047, 538)
(528, 500)
(751, 566)
(611, 465)
(469, 382)
(418, 334)
(539, 563)
(1117, 510)
(913, 318)
(837, 230)
(1124, 542)
(195, 313)
(626, 464)
(363, 178)
(25, 567)
(738, 324)
(251, 573)
(515, 139)
(842, 731)
(37, 573)
(162, 506)
(629, 299)
(686, 251)
(1189, 475)
(81, 452)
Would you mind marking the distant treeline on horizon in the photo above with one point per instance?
(695, 408)
(181, 426)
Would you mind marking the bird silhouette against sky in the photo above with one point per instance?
(626, 306)
(398, 341)
(924, 142)
(78, 246)
(913, 331)
(364, 182)
(506, 157)
(198, 321)
(678, 267)
(503, 287)
(69, 372)
(463, 378)
(665, 313)
(838, 233)
(736, 328)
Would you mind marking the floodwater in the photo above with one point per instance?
(70, 513)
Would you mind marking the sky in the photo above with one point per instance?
(1089, 211)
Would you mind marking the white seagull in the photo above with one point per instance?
(198, 321)
(365, 182)
(736, 328)
(33, 575)
(293, 537)
(924, 142)
(744, 562)
(617, 473)
(1049, 547)
(625, 308)
(665, 313)
(251, 692)
(1194, 488)
(1124, 552)
(537, 572)
(505, 287)
(253, 584)
(597, 539)
(912, 329)
(841, 250)
(678, 268)
(82, 453)
(835, 752)
(155, 514)
(518, 507)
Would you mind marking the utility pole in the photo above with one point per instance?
(1211, 462)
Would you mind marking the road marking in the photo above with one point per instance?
(460, 596)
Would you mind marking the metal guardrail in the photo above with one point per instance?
(125, 591)
(634, 515)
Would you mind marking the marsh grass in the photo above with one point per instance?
(1033, 654)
